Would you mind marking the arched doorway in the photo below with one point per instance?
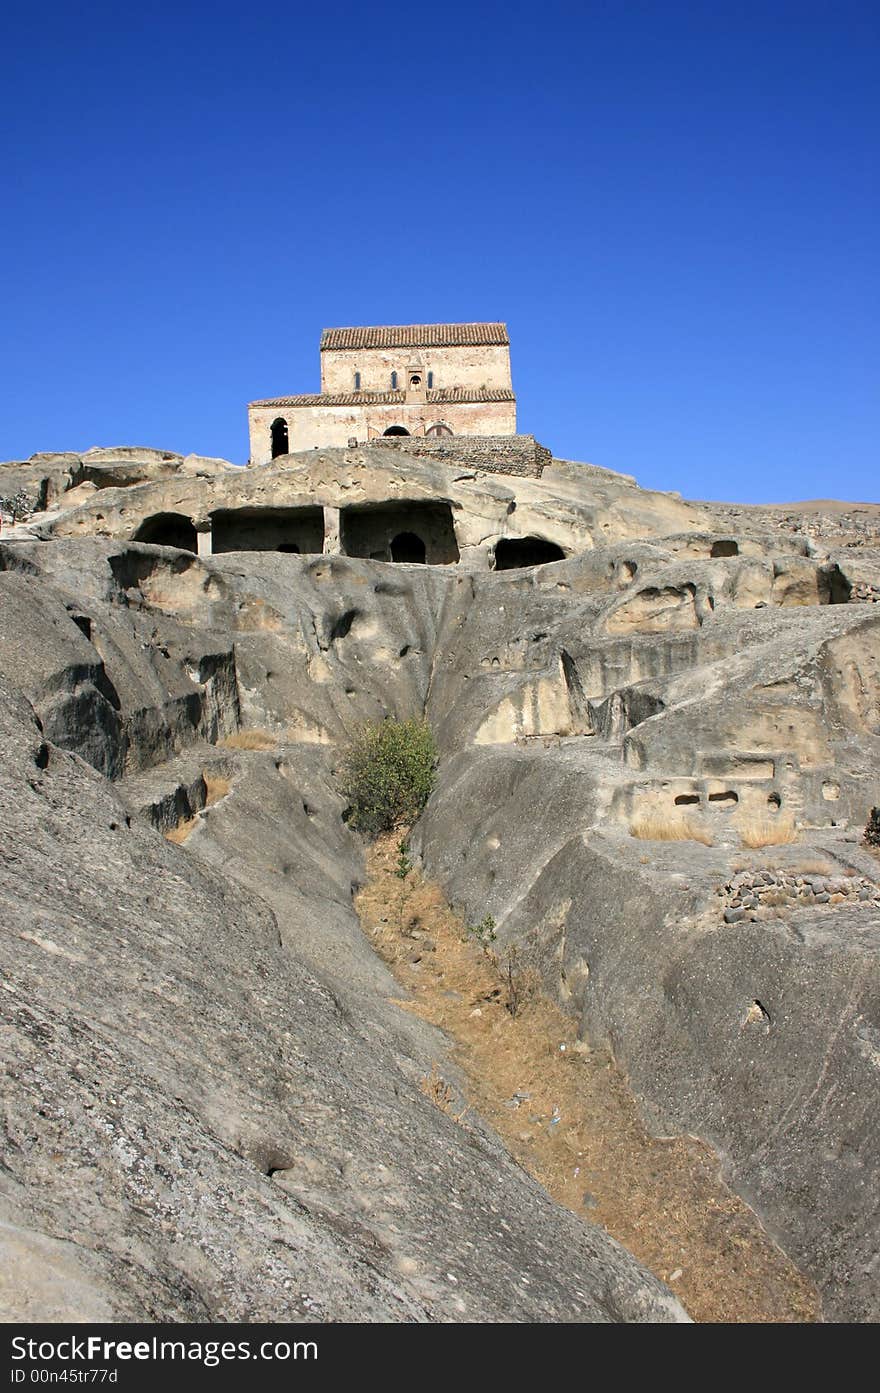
(280, 442)
(396, 430)
(514, 552)
(439, 430)
(168, 530)
(407, 547)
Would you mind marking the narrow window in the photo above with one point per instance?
(280, 443)
(394, 382)
(430, 380)
(357, 382)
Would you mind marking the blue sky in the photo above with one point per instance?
(673, 206)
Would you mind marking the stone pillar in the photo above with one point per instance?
(333, 532)
(204, 530)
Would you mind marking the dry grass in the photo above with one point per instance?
(812, 865)
(803, 865)
(435, 1087)
(522, 982)
(217, 788)
(566, 1114)
(250, 740)
(179, 834)
(654, 825)
(756, 832)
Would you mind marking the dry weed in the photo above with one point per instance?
(216, 788)
(435, 1087)
(654, 825)
(812, 865)
(250, 740)
(757, 831)
(179, 834)
(567, 1116)
(521, 975)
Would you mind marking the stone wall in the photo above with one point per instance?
(474, 365)
(326, 427)
(494, 454)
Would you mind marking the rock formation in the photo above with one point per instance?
(658, 755)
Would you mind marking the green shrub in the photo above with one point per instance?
(484, 932)
(404, 861)
(388, 774)
(872, 830)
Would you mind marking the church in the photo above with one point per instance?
(430, 380)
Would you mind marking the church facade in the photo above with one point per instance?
(434, 380)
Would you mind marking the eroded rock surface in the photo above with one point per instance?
(213, 1110)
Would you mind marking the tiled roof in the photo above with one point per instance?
(415, 336)
(336, 399)
(438, 395)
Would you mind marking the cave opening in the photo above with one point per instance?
(408, 547)
(512, 553)
(418, 532)
(168, 530)
(295, 530)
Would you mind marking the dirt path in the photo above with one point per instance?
(567, 1116)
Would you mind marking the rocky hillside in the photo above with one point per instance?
(657, 758)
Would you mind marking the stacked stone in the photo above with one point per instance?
(495, 454)
(864, 594)
(750, 891)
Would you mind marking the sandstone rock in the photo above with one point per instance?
(182, 1141)
(230, 1101)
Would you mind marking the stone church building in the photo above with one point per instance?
(434, 380)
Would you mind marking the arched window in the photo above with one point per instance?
(396, 430)
(357, 382)
(439, 429)
(280, 445)
(430, 380)
(407, 547)
(394, 382)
